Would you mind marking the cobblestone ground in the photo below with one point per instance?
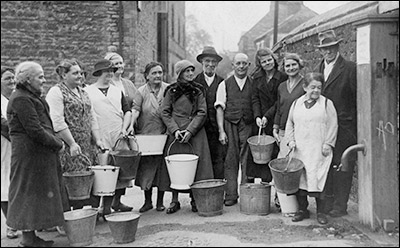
(231, 229)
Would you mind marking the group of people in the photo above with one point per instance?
(313, 117)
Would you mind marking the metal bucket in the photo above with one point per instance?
(255, 199)
(105, 179)
(79, 184)
(209, 196)
(181, 169)
(286, 176)
(261, 147)
(151, 144)
(123, 226)
(127, 160)
(80, 225)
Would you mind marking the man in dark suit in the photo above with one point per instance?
(210, 81)
(341, 87)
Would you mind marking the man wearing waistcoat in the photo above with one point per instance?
(340, 87)
(209, 59)
(235, 120)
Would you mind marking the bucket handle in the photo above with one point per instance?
(173, 142)
(126, 140)
(259, 134)
(290, 159)
(86, 158)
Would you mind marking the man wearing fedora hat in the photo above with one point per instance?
(340, 87)
(208, 78)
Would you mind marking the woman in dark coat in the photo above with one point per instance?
(264, 98)
(35, 196)
(184, 111)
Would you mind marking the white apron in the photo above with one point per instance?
(311, 128)
(5, 156)
(110, 117)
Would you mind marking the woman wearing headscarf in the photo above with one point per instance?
(184, 111)
(35, 195)
(146, 118)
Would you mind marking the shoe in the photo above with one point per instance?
(194, 207)
(146, 207)
(11, 233)
(321, 218)
(230, 202)
(38, 242)
(160, 208)
(173, 207)
(122, 208)
(301, 215)
(336, 213)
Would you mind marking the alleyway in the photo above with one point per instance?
(231, 229)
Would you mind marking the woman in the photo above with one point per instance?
(183, 111)
(266, 82)
(73, 121)
(35, 195)
(147, 120)
(128, 88)
(114, 118)
(288, 91)
(7, 87)
(311, 131)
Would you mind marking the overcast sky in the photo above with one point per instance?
(225, 21)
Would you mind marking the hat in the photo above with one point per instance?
(327, 39)
(208, 51)
(182, 65)
(103, 64)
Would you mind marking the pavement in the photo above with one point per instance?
(231, 229)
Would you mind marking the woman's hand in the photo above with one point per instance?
(186, 136)
(75, 149)
(326, 149)
(261, 122)
(275, 132)
(100, 144)
(130, 130)
(178, 135)
(223, 138)
(292, 145)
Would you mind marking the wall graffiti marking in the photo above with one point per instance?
(383, 129)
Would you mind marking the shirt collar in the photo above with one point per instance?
(333, 62)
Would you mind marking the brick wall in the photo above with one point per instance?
(49, 31)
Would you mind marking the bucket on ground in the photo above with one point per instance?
(151, 144)
(79, 184)
(80, 225)
(105, 179)
(261, 147)
(181, 168)
(123, 226)
(209, 196)
(127, 160)
(286, 175)
(289, 204)
(255, 199)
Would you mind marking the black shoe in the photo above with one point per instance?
(194, 207)
(173, 207)
(122, 208)
(321, 218)
(146, 207)
(230, 202)
(301, 215)
(336, 213)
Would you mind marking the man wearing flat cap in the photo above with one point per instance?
(341, 87)
(208, 78)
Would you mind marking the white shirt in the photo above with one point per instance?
(208, 79)
(221, 91)
(329, 67)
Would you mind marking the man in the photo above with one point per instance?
(340, 86)
(235, 120)
(210, 81)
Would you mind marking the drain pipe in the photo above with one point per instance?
(354, 148)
